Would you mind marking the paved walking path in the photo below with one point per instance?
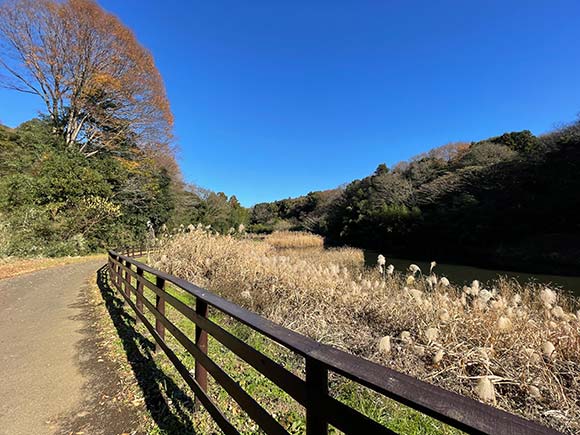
(51, 376)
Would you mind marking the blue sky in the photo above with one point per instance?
(275, 99)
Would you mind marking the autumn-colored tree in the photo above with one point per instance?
(101, 88)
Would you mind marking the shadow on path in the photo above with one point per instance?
(103, 410)
(157, 387)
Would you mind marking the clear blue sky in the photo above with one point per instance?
(275, 99)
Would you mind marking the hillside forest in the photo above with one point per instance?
(510, 201)
(98, 167)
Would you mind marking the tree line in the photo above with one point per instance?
(508, 201)
(98, 168)
(55, 201)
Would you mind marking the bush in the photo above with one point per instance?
(4, 237)
(261, 228)
(75, 246)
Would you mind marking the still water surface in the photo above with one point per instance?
(459, 274)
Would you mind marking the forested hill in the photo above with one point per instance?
(508, 201)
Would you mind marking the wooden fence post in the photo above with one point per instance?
(139, 292)
(118, 258)
(316, 393)
(160, 306)
(128, 279)
(201, 343)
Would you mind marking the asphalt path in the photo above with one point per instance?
(53, 378)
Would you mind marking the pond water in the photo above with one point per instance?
(460, 274)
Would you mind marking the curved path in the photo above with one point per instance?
(51, 374)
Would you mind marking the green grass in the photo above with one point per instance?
(289, 413)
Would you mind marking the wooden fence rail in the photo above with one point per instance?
(322, 410)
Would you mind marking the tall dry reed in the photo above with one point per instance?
(516, 347)
(294, 239)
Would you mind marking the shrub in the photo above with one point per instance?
(4, 237)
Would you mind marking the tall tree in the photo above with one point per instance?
(99, 85)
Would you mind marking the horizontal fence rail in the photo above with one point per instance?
(322, 410)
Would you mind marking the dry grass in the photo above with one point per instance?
(490, 344)
(294, 239)
(12, 266)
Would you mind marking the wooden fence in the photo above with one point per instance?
(322, 410)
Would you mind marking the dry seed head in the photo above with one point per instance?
(385, 344)
(438, 356)
(419, 350)
(485, 296)
(444, 282)
(504, 324)
(405, 337)
(558, 312)
(535, 392)
(485, 390)
(548, 297)
(443, 315)
(433, 264)
(381, 260)
(432, 334)
(413, 268)
(548, 349)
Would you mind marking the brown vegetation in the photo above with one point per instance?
(294, 239)
(516, 347)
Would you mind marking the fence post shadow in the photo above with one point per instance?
(156, 386)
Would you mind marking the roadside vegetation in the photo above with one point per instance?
(511, 345)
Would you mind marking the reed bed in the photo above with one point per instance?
(514, 346)
(294, 239)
